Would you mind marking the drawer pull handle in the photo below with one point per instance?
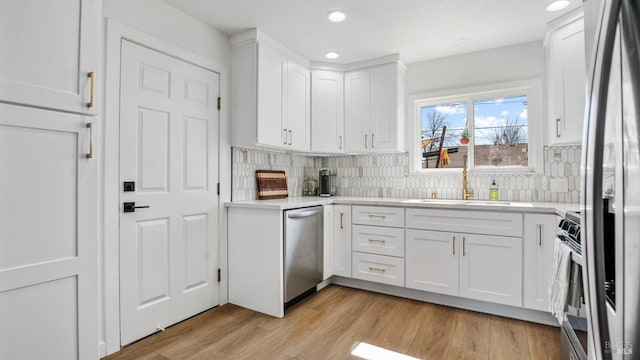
(377, 240)
(454, 245)
(89, 155)
(376, 269)
(540, 231)
(463, 243)
(92, 77)
(377, 216)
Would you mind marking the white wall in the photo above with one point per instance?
(159, 20)
(517, 62)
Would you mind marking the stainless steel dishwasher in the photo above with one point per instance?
(303, 242)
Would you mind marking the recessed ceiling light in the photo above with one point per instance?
(331, 55)
(556, 5)
(336, 16)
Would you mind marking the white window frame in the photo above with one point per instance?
(532, 88)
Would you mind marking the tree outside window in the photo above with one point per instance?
(499, 129)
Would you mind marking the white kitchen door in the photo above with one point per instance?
(48, 258)
(169, 152)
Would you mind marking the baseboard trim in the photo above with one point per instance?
(513, 312)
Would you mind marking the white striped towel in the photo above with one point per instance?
(559, 284)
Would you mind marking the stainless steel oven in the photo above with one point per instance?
(573, 332)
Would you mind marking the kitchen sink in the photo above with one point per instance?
(468, 202)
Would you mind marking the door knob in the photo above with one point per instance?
(131, 207)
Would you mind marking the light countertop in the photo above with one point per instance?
(306, 201)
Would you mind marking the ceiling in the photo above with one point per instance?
(416, 29)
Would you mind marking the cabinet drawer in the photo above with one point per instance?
(378, 215)
(378, 268)
(472, 222)
(378, 240)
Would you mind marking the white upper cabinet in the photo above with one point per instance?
(327, 111)
(357, 109)
(386, 83)
(271, 89)
(565, 56)
(48, 54)
(297, 122)
(374, 109)
(272, 70)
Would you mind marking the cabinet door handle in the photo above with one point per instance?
(540, 228)
(340, 142)
(365, 140)
(290, 137)
(372, 141)
(341, 218)
(454, 245)
(92, 77)
(464, 241)
(90, 153)
(285, 136)
(558, 127)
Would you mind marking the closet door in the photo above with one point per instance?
(49, 48)
(48, 291)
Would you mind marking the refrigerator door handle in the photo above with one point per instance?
(593, 144)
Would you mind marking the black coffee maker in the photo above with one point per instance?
(325, 183)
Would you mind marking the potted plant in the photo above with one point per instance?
(464, 139)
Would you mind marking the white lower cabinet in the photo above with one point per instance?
(378, 268)
(491, 268)
(539, 236)
(482, 267)
(337, 240)
(378, 240)
(481, 263)
(432, 261)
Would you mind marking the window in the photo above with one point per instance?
(496, 129)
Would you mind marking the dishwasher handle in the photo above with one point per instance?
(303, 214)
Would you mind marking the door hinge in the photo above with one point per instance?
(218, 188)
(219, 275)
(219, 102)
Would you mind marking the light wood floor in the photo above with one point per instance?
(327, 324)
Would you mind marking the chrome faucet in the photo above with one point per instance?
(466, 193)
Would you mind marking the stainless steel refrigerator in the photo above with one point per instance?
(610, 203)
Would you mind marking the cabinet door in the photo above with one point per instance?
(491, 268)
(539, 236)
(327, 111)
(48, 50)
(272, 69)
(48, 272)
(342, 240)
(566, 83)
(356, 112)
(297, 102)
(432, 260)
(384, 108)
(327, 253)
